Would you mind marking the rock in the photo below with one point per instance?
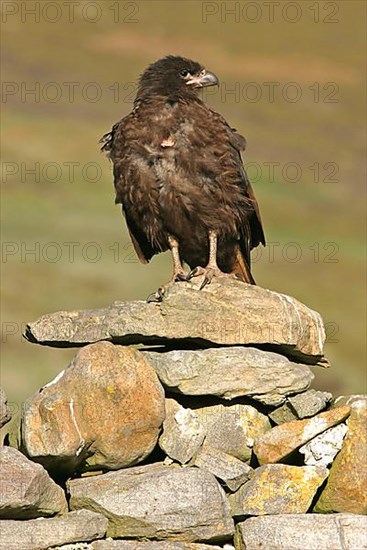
(233, 428)
(5, 415)
(348, 400)
(225, 312)
(183, 434)
(27, 491)
(151, 545)
(276, 444)
(345, 490)
(230, 470)
(283, 414)
(302, 532)
(278, 489)
(159, 502)
(104, 411)
(41, 533)
(231, 372)
(309, 403)
(322, 450)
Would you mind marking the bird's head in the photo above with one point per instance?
(175, 76)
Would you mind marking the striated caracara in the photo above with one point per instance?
(179, 176)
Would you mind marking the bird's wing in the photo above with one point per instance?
(257, 232)
(251, 231)
(125, 174)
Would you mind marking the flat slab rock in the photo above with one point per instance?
(41, 533)
(231, 372)
(156, 501)
(27, 491)
(225, 312)
(303, 532)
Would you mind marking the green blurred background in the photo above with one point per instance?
(93, 57)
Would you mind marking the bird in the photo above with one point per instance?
(179, 176)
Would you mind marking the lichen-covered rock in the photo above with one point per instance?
(322, 450)
(104, 411)
(227, 468)
(233, 427)
(302, 532)
(224, 312)
(310, 402)
(26, 489)
(42, 533)
(231, 372)
(5, 415)
(278, 489)
(276, 444)
(158, 502)
(183, 434)
(345, 490)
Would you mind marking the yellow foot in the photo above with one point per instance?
(209, 273)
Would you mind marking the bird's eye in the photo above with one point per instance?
(184, 72)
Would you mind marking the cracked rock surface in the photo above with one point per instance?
(156, 501)
(226, 312)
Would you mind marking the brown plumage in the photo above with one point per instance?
(179, 176)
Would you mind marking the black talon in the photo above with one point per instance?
(156, 297)
(204, 283)
(195, 272)
(181, 277)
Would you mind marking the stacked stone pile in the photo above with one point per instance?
(186, 425)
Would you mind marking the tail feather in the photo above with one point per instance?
(242, 268)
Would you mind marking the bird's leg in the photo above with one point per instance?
(178, 271)
(177, 275)
(212, 269)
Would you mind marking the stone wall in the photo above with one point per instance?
(186, 424)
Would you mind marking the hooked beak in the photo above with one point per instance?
(205, 78)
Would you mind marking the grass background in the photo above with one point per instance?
(326, 219)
